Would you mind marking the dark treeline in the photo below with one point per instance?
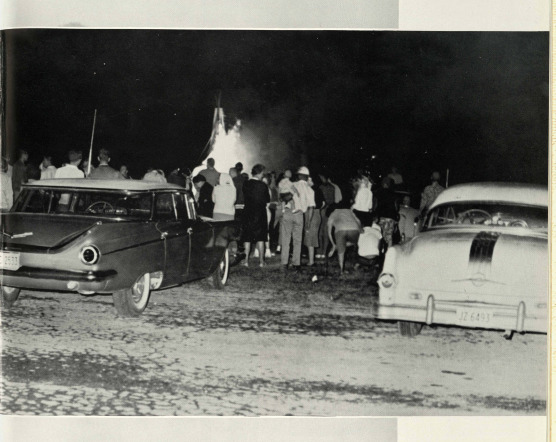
(476, 103)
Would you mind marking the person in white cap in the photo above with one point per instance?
(306, 204)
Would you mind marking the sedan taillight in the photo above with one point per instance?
(89, 255)
(387, 280)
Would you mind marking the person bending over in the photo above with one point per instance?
(347, 228)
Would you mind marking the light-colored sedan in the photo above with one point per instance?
(480, 261)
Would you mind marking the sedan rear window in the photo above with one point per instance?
(85, 202)
(488, 214)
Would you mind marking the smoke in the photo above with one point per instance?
(268, 141)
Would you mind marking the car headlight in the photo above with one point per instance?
(387, 280)
(89, 255)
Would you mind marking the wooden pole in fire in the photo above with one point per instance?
(91, 148)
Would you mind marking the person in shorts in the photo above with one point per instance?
(344, 229)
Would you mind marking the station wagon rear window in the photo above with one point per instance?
(488, 214)
(85, 202)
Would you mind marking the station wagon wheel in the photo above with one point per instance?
(409, 329)
(9, 296)
(220, 275)
(132, 301)
(99, 205)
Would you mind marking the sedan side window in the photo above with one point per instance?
(181, 208)
(190, 206)
(164, 209)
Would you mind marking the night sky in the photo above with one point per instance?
(473, 102)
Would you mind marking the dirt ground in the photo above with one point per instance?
(272, 344)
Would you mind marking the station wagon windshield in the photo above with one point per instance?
(487, 214)
(85, 202)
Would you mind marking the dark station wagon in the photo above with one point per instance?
(123, 238)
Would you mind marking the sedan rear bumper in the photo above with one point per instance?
(58, 280)
(487, 316)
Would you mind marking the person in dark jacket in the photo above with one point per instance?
(104, 171)
(204, 196)
(255, 220)
(175, 177)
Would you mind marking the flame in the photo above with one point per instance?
(259, 141)
(229, 148)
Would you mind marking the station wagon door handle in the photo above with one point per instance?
(163, 235)
(189, 230)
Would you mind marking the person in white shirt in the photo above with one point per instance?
(48, 171)
(71, 170)
(370, 248)
(6, 199)
(396, 176)
(224, 197)
(304, 198)
(368, 245)
(284, 193)
(363, 201)
(155, 175)
(285, 181)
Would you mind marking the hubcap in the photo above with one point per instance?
(138, 290)
(223, 265)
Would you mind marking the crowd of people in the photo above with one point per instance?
(299, 214)
(292, 213)
(22, 171)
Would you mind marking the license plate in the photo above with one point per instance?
(9, 260)
(472, 317)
